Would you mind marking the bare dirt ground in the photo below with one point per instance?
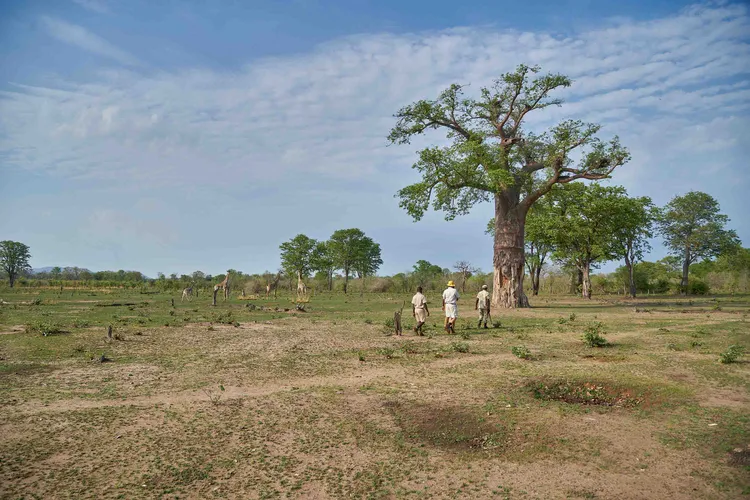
(330, 406)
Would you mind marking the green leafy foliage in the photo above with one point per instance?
(732, 354)
(521, 351)
(14, 259)
(693, 229)
(593, 335)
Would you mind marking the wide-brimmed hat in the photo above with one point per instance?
(484, 287)
(450, 283)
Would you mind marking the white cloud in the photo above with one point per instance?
(675, 90)
(83, 39)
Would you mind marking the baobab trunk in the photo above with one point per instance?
(508, 260)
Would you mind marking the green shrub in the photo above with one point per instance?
(521, 351)
(44, 327)
(698, 287)
(460, 347)
(732, 354)
(592, 336)
(388, 352)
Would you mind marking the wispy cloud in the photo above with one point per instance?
(99, 6)
(675, 89)
(83, 39)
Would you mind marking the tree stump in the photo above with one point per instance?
(172, 303)
(109, 332)
(216, 290)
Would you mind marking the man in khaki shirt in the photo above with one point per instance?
(482, 304)
(419, 310)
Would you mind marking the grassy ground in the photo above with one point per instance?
(262, 401)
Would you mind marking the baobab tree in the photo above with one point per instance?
(490, 158)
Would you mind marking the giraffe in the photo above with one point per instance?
(224, 285)
(187, 293)
(301, 288)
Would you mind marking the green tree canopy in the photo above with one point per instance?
(14, 259)
(693, 229)
(297, 255)
(491, 158)
(353, 251)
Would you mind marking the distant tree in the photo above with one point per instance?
(539, 240)
(198, 276)
(693, 229)
(490, 158)
(634, 220)
(297, 255)
(466, 270)
(56, 273)
(350, 250)
(323, 262)
(368, 260)
(585, 225)
(14, 259)
(424, 272)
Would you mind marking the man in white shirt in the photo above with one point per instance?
(483, 306)
(450, 306)
(419, 310)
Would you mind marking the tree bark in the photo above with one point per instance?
(346, 280)
(586, 285)
(536, 279)
(12, 279)
(631, 275)
(685, 270)
(508, 260)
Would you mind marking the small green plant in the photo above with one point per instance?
(388, 352)
(361, 356)
(36, 302)
(562, 321)
(460, 347)
(695, 343)
(80, 323)
(572, 316)
(389, 323)
(592, 336)
(732, 354)
(44, 327)
(495, 324)
(368, 321)
(521, 351)
(465, 335)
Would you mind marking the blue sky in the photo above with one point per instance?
(180, 136)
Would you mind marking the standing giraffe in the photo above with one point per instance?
(301, 288)
(224, 285)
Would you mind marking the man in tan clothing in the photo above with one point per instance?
(419, 310)
(482, 304)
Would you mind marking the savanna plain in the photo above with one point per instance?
(256, 399)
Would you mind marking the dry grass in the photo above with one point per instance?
(283, 407)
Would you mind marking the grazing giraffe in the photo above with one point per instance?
(187, 293)
(224, 285)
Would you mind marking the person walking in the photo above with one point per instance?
(419, 310)
(482, 305)
(450, 306)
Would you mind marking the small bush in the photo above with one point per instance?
(388, 352)
(572, 316)
(36, 302)
(389, 323)
(465, 335)
(732, 354)
(698, 287)
(361, 356)
(81, 323)
(521, 351)
(592, 336)
(368, 321)
(44, 327)
(460, 347)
